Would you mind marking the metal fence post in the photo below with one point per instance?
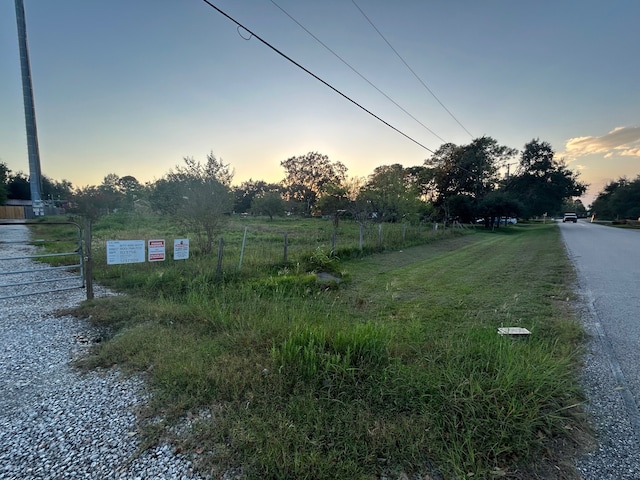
(334, 236)
(286, 244)
(220, 255)
(244, 241)
(88, 259)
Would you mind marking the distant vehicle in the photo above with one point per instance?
(502, 220)
(570, 217)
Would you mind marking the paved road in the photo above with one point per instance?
(607, 262)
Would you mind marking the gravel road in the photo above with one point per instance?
(56, 422)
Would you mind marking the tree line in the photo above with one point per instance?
(457, 183)
(619, 200)
(15, 186)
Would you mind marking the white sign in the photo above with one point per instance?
(181, 249)
(125, 251)
(156, 250)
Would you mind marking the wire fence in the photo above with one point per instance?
(256, 247)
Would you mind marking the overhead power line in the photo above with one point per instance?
(316, 76)
(410, 69)
(356, 71)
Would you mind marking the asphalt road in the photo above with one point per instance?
(607, 263)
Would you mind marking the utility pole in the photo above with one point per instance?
(35, 175)
(508, 170)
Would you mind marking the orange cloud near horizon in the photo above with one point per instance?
(621, 141)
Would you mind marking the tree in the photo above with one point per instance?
(4, 179)
(91, 202)
(130, 189)
(308, 177)
(391, 193)
(247, 191)
(542, 183)
(470, 170)
(197, 196)
(498, 204)
(18, 187)
(56, 191)
(575, 205)
(602, 205)
(334, 202)
(268, 203)
(96, 200)
(353, 185)
(112, 197)
(626, 201)
(463, 207)
(620, 199)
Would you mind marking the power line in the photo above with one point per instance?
(356, 71)
(316, 76)
(410, 69)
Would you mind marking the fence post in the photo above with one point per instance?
(380, 234)
(286, 244)
(244, 240)
(404, 232)
(361, 236)
(333, 241)
(220, 253)
(88, 259)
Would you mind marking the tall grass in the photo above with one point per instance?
(397, 370)
(264, 244)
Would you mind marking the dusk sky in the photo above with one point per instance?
(131, 87)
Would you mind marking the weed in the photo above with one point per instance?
(321, 261)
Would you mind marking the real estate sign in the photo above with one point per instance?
(125, 251)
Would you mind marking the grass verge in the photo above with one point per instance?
(397, 371)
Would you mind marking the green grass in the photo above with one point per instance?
(61, 239)
(264, 243)
(399, 368)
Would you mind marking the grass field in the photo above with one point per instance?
(398, 369)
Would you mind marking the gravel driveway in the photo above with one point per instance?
(56, 422)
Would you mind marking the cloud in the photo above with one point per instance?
(631, 152)
(621, 141)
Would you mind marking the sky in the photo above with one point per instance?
(133, 87)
